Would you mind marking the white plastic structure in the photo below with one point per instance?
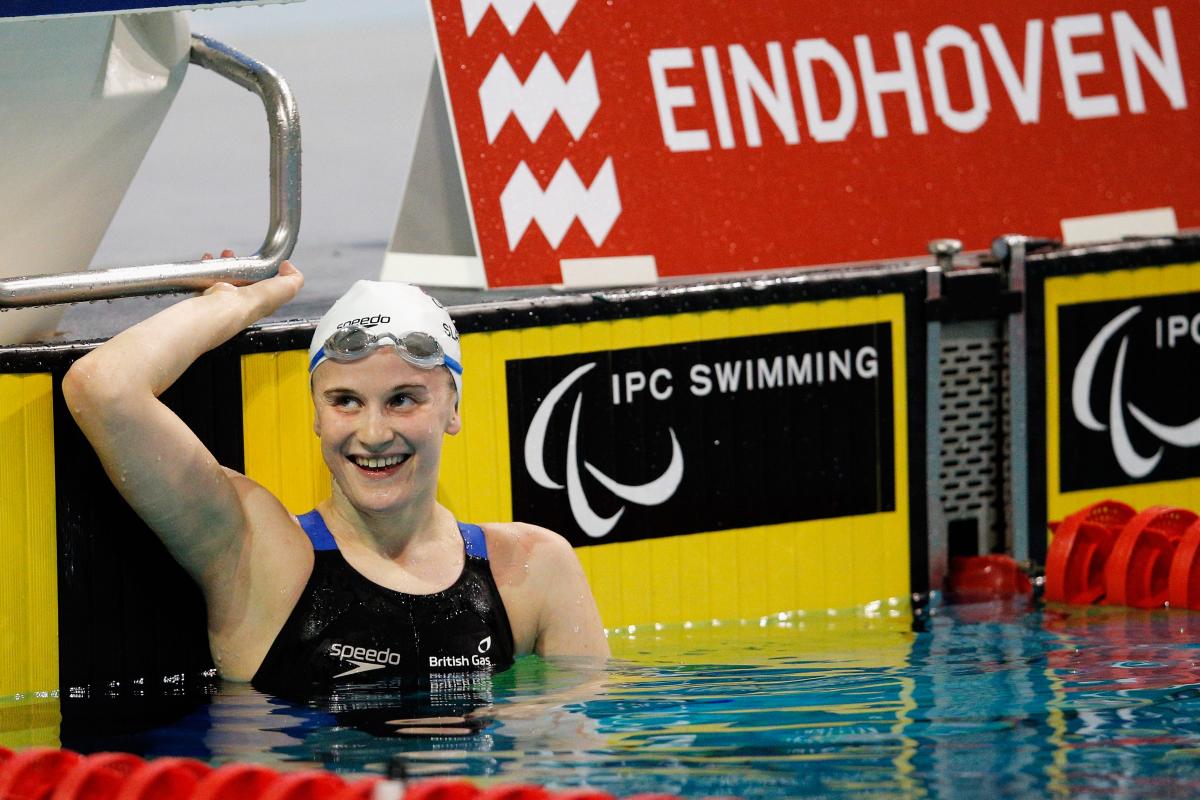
(80, 101)
(283, 124)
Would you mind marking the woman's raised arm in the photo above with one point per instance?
(155, 461)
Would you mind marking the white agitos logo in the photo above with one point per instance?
(1132, 462)
(654, 493)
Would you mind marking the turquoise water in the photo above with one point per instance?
(977, 701)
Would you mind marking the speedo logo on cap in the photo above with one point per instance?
(366, 322)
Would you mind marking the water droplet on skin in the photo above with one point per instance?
(575, 629)
(527, 566)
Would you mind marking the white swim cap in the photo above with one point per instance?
(384, 307)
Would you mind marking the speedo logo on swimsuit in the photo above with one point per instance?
(364, 659)
(367, 322)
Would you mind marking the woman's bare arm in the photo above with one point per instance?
(155, 461)
(545, 591)
(568, 620)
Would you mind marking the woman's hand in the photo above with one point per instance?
(266, 296)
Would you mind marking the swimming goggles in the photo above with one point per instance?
(355, 343)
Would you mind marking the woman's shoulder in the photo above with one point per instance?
(522, 542)
(522, 534)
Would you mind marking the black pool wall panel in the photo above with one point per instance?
(131, 621)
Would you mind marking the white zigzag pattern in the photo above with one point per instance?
(562, 202)
(513, 12)
(533, 103)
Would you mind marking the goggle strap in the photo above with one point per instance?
(450, 362)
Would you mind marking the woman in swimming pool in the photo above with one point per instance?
(380, 581)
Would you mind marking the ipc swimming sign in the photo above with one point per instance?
(702, 436)
(1122, 421)
(1113, 347)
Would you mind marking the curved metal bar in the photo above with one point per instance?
(283, 121)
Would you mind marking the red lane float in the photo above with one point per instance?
(164, 779)
(307, 785)
(48, 774)
(1108, 553)
(977, 579)
(97, 777)
(1183, 586)
(1140, 563)
(234, 782)
(1081, 546)
(33, 774)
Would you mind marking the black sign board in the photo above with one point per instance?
(1129, 371)
(702, 436)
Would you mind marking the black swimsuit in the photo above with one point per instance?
(348, 629)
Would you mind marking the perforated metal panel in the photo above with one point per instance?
(972, 431)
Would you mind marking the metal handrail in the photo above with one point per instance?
(283, 121)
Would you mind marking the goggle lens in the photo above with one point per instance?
(349, 344)
(421, 345)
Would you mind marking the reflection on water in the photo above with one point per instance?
(979, 702)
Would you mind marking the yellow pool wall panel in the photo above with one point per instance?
(1127, 284)
(280, 449)
(839, 563)
(28, 540)
(30, 723)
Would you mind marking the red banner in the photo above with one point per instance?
(714, 136)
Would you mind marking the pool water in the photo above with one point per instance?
(966, 701)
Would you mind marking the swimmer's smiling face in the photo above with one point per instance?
(381, 422)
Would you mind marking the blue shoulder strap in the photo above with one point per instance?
(318, 532)
(474, 539)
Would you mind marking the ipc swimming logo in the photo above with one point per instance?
(653, 493)
(1133, 463)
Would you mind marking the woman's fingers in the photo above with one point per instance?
(287, 269)
(274, 292)
(290, 276)
(269, 294)
(264, 297)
